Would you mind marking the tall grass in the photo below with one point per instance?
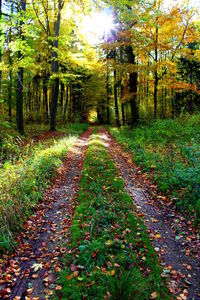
(22, 183)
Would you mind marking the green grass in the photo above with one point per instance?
(12, 144)
(169, 151)
(22, 183)
(110, 250)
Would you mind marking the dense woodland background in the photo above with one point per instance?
(148, 67)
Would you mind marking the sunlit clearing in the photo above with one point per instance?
(92, 116)
(96, 26)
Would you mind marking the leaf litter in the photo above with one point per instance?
(173, 235)
(31, 271)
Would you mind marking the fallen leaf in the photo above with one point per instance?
(154, 295)
(37, 267)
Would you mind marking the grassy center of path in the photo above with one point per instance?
(110, 255)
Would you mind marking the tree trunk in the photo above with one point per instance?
(132, 87)
(123, 114)
(29, 99)
(45, 95)
(54, 102)
(173, 112)
(62, 92)
(19, 108)
(54, 69)
(20, 75)
(115, 91)
(107, 93)
(66, 103)
(156, 74)
(10, 75)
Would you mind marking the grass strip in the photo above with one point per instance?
(22, 184)
(110, 254)
(12, 145)
(169, 151)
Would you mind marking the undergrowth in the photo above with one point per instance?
(110, 253)
(22, 183)
(14, 145)
(169, 151)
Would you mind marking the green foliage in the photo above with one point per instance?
(169, 151)
(109, 246)
(22, 184)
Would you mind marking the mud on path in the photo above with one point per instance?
(31, 271)
(173, 237)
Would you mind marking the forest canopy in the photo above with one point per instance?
(116, 62)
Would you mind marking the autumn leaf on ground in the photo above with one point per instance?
(37, 266)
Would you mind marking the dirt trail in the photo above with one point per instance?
(171, 236)
(31, 271)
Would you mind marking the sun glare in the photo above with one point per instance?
(95, 26)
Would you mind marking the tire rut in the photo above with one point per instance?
(183, 270)
(34, 266)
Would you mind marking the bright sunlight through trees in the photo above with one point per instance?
(96, 25)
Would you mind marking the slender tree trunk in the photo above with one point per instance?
(10, 96)
(54, 69)
(173, 112)
(123, 114)
(10, 82)
(156, 74)
(115, 91)
(165, 110)
(132, 87)
(10, 74)
(45, 95)
(20, 77)
(19, 108)
(29, 99)
(66, 102)
(162, 104)
(54, 102)
(62, 92)
(121, 85)
(107, 92)
(37, 98)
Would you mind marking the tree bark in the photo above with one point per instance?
(107, 92)
(45, 95)
(54, 69)
(66, 102)
(10, 74)
(115, 91)
(20, 75)
(62, 92)
(132, 87)
(156, 73)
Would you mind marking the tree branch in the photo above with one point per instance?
(36, 12)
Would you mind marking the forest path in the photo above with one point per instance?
(30, 272)
(172, 236)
